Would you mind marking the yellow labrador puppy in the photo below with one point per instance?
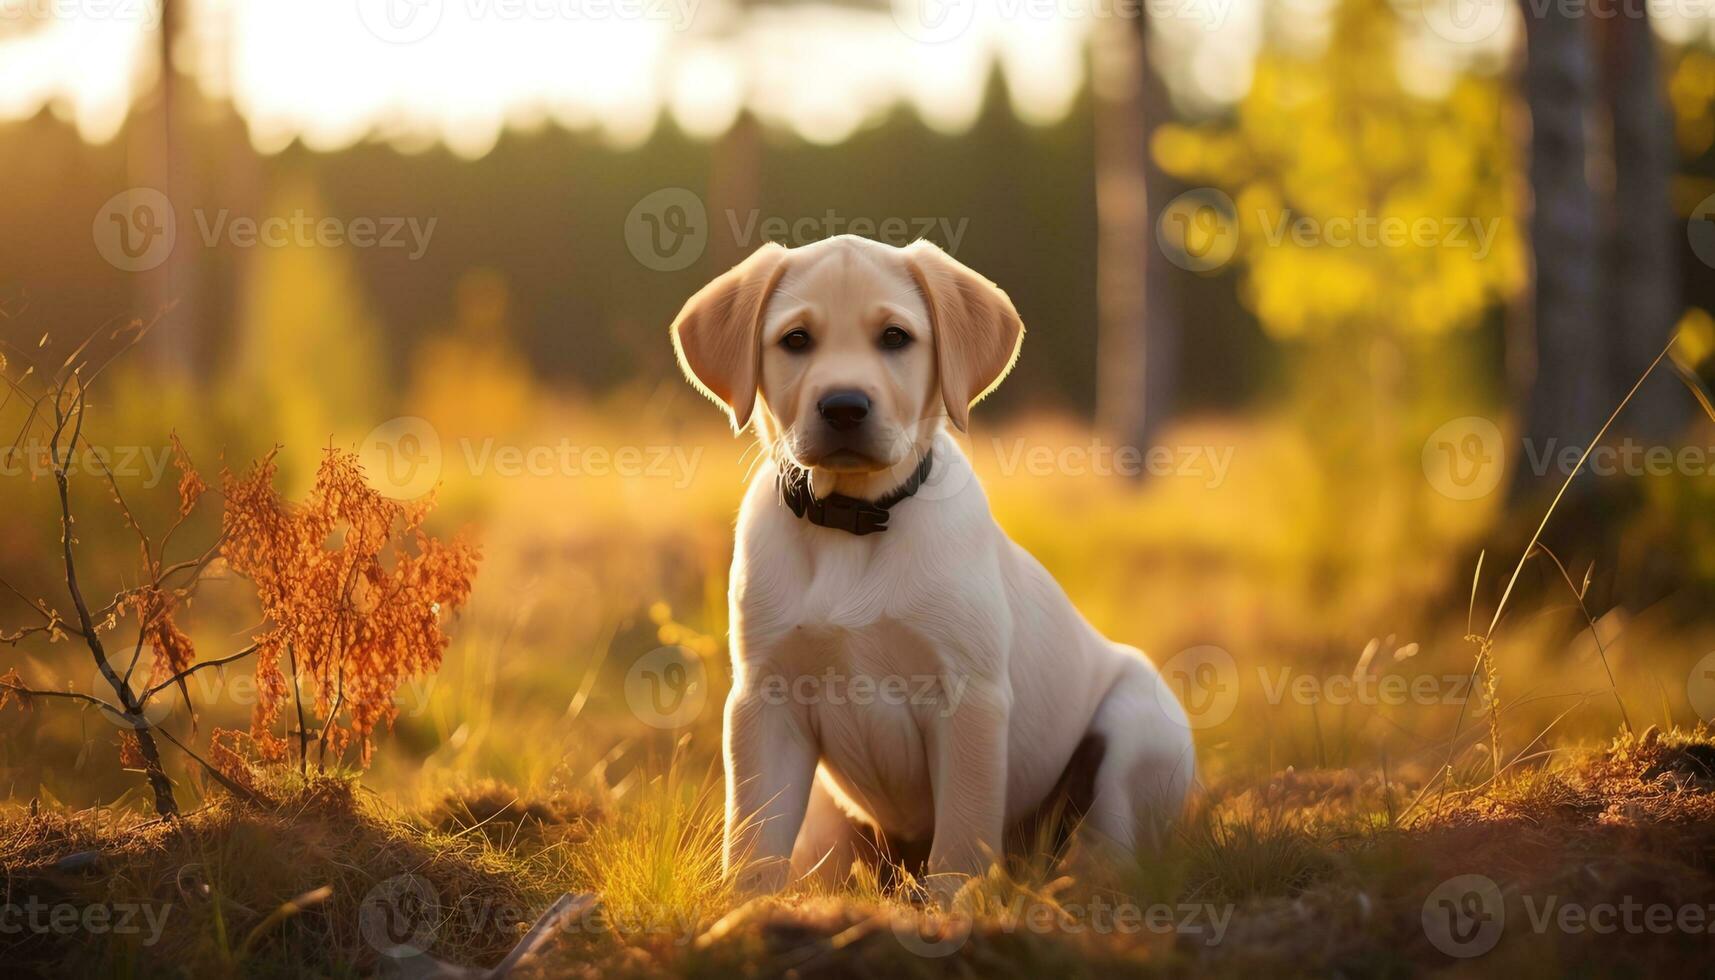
(897, 660)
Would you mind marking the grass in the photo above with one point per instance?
(658, 868)
(1306, 878)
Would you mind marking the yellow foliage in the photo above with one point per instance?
(1691, 88)
(1362, 207)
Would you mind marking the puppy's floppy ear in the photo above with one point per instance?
(977, 329)
(716, 334)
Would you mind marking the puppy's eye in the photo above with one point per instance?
(797, 340)
(894, 338)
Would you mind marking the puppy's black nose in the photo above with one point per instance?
(843, 410)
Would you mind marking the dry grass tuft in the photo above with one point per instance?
(505, 816)
(222, 879)
(1655, 777)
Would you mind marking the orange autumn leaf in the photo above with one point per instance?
(191, 484)
(12, 689)
(130, 751)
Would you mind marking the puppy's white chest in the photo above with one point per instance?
(822, 596)
(870, 695)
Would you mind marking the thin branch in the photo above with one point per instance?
(197, 565)
(188, 671)
(232, 786)
(151, 562)
(30, 417)
(31, 692)
(124, 508)
(339, 667)
(165, 804)
(13, 639)
(298, 699)
(47, 612)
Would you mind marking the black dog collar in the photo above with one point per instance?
(848, 514)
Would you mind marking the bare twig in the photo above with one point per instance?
(47, 612)
(30, 692)
(164, 801)
(298, 699)
(339, 668)
(180, 677)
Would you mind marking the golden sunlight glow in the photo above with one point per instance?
(84, 69)
(416, 73)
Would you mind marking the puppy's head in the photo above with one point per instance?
(857, 349)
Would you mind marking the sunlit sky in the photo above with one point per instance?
(459, 72)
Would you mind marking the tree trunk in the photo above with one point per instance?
(162, 159)
(1137, 335)
(734, 189)
(165, 804)
(1571, 390)
(1643, 263)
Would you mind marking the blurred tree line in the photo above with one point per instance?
(1573, 140)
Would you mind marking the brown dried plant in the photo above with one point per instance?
(353, 592)
(351, 606)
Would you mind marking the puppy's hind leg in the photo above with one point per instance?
(829, 841)
(1146, 771)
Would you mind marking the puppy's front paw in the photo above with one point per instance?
(941, 889)
(761, 878)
